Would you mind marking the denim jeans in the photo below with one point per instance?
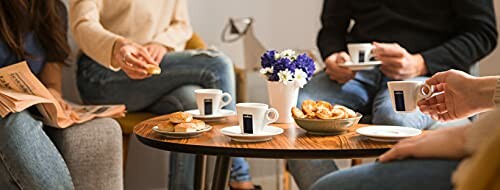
(170, 91)
(28, 158)
(405, 174)
(367, 93)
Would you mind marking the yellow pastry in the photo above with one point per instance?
(309, 106)
(185, 127)
(199, 124)
(180, 117)
(153, 69)
(166, 126)
(297, 113)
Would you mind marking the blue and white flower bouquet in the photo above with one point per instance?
(287, 67)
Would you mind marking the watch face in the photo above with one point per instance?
(399, 100)
(247, 123)
(208, 106)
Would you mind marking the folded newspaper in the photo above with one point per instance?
(20, 89)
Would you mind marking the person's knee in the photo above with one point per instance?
(16, 123)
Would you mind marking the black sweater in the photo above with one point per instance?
(450, 34)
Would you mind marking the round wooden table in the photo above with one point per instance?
(293, 143)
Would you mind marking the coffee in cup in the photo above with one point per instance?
(211, 101)
(360, 52)
(406, 94)
(253, 117)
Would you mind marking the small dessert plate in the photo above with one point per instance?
(388, 133)
(181, 135)
(361, 66)
(234, 132)
(223, 113)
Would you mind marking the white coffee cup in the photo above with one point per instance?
(360, 53)
(406, 94)
(253, 117)
(211, 101)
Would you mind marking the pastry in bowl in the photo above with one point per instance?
(322, 118)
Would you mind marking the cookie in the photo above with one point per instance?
(166, 126)
(350, 113)
(324, 114)
(297, 113)
(339, 114)
(323, 105)
(309, 106)
(180, 117)
(311, 115)
(185, 127)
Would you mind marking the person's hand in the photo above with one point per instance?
(462, 95)
(447, 143)
(157, 51)
(132, 58)
(397, 63)
(336, 72)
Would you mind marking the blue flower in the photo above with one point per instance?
(289, 63)
(306, 64)
(267, 59)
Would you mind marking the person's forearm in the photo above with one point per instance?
(485, 92)
(51, 76)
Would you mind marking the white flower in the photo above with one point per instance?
(300, 78)
(267, 70)
(285, 76)
(288, 53)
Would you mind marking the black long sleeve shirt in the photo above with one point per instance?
(449, 34)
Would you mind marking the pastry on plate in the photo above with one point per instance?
(185, 127)
(180, 117)
(166, 126)
(339, 114)
(324, 114)
(199, 124)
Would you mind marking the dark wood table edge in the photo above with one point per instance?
(263, 153)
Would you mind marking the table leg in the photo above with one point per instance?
(200, 171)
(221, 172)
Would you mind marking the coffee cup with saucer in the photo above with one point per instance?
(361, 57)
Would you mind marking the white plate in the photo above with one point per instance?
(234, 132)
(388, 133)
(180, 135)
(223, 113)
(362, 66)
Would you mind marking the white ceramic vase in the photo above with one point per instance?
(282, 98)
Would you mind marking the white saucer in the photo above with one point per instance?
(361, 66)
(234, 132)
(223, 113)
(388, 133)
(181, 135)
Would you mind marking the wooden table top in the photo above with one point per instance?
(293, 143)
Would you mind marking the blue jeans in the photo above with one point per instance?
(367, 93)
(170, 91)
(28, 158)
(405, 174)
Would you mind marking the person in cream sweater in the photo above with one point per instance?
(133, 54)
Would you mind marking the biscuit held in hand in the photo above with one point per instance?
(153, 69)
